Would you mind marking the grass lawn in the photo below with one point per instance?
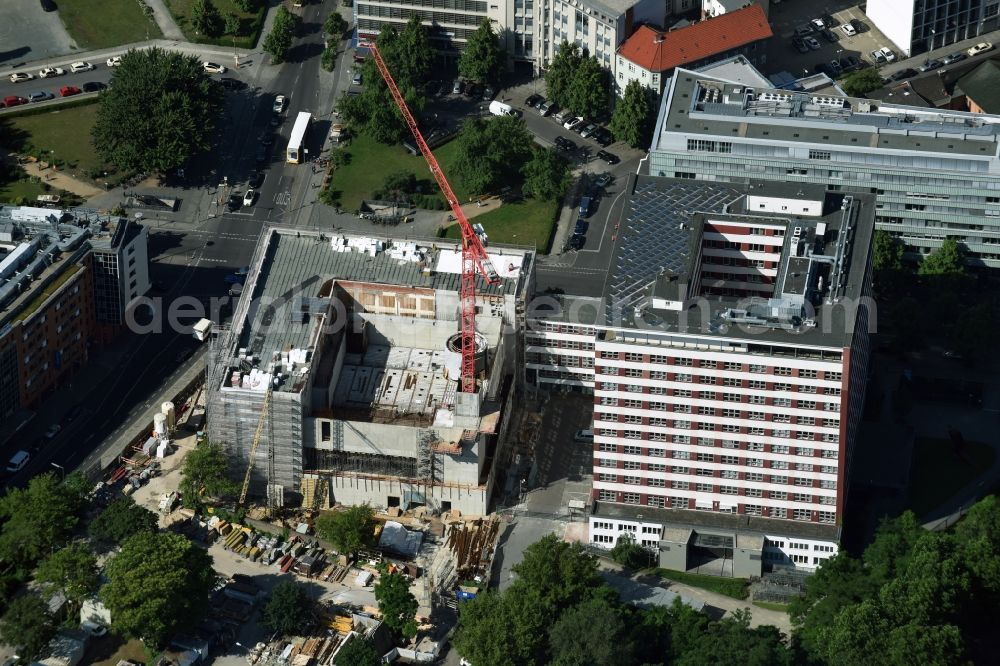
(251, 23)
(526, 222)
(65, 131)
(938, 472)
(98, 25)
(737, 588)
(370, 163)
(781, 608)
(20, 188)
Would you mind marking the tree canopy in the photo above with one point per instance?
(161, 110)
(483, 59)
(204, 475)
(279, 40)
(357, 652)
(558, 610)
(157, 584)
(289, 610)
(396, 603)
(206, 19)
(487, 147)
(37, 518)
(862, 81)
(72, 571)
(546, 174)
(633, 116)
(914, 597)
(562, 69)
(120, 520)
(945, 261)
(334, 25)
(27, 624)
(587, 94)
(348, 530)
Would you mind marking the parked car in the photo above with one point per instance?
(80, 67)
(18, 461)
(488, 93)
(545, 108)
(457, 87)
(49, 72)
(586, 436)
(804, 31)
(14, 100)
(836, 67)
(73, 413)
(213, 68)
(573, 123)
(234, 203)
(262, 153)
(800, 45)
(474, 90)
(266, 138)
(94, 86)
(859, 26)
(256, 180)
(850, 62)
(812, 43)
(249, 197)
(903, 74)
(356, 78)
(69, 91)
(577, 241)
(564, 143)
(584, 209)
(580, 227)
(877, 57)
(930, 65)
(818, 24)
(603, 180)
(53, 430)
(589, 130)
(954, 57)
(279, 104)
(603, 137)
(230, 83)
(608, 157)
(40, 96)
(533, 100)
(444, 88)
(829, 35)
(18, 77)
(981, 47)
(114, 61)
(890, 55)
(848, 30)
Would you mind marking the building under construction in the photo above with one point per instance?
(350, 347)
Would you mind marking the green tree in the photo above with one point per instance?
(862, 81)
(396, 603)
(483, 59)
(233, 24)
(946, 261)
(498, 629)
(576, 643)
(328, 61)
(28, 625)
(161, 111)
(206, 18)
(357, 652)
(120, 520)
(561, 72)
(204, 475)
(279, 40)
(633, 116)
(630, 554)
(72, 571)
(289, 610)
(587, 94)
(37, 519)
(398, 186)
(158, 583)
(408, 54)
(560, 573)
(247, 5)
(887, 251)
(732, 641)
(334, 24)
(348, 530)
(546, 174)
(487, 147)
(974, 333)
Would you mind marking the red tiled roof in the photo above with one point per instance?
(695, 42)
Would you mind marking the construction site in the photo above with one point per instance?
(341, 377)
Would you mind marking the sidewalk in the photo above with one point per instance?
(61, 180)
(166, 22)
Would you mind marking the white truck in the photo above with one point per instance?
(203, 329)
(501, 109)
(336, 133)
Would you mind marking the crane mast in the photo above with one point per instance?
(474, 257)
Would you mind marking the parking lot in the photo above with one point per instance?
(786, 17)
(29, 33)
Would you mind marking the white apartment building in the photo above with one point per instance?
(729, 352)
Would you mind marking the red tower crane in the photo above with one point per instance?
(474, 257)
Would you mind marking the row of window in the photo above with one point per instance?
(730, 413)
(733, 366)
(611, 447)
(658, 501)
(707, 426)
(710, 395)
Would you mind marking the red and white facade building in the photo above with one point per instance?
(728, 397)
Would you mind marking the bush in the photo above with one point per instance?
(329, 58)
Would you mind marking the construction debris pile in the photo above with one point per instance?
(472, 543)
(340, 627)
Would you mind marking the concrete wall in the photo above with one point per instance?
(673, 556)
(353, 490)
(747, 562)
(895, 19)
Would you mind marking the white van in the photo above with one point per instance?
(584, 436)
(500, 109)
(18, 461)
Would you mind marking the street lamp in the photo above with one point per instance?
(60, 468)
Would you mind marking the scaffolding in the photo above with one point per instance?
(372, 464)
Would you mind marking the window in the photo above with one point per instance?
(684, 377)
(784, 372)
(635, 404)
(656, 467)
(633, 372)
(678, 503)
(655, 500)
(704, 487)
(729, 381)
(758, 368)
(632, 480)
(606, 495)
(632, 434)
(631, 464)
(833, 376)
(607, 448)
(683, 409)
(630, 498)
(819, 155)
(757, 400)
(656, 483)
(801, 514)
(632, 450)
(732, 397)
(729, 490)
(608, 478)
(682, 393)
(729, 365)
(631, 418)
(757, 384)
(679, 485)
(753, 492)
(682, 455)
(703, 146)
(686, 362)
(630, 356)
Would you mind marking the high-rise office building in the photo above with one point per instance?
(917, 26)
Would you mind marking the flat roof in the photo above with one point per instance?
(293, 266)
(712, 520)
(661, 235)
(699, 104)
(402, 379)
